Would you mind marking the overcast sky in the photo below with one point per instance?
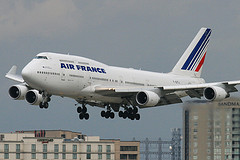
(151, 35)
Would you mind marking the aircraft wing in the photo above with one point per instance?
(169, 94)
(196, 90)
(13, 76)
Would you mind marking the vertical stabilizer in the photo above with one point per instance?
(191, 62)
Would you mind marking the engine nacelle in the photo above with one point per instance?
(33, 97)
(147, 98)
(17, 92)
(215, 93)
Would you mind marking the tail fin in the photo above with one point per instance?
(190, 64)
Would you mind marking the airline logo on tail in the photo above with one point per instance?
(196, 59)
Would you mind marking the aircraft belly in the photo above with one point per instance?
(99, 98)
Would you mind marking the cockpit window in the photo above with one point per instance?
(41, 57)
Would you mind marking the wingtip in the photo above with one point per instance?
(13, 70)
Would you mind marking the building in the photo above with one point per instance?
(212, 130)
(62, 144)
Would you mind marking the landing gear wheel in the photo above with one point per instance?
(79, 109)
(137, 116)
(135, 110)
(81, 116)
(107, 115)
(130, 110)
(103, 113)
(112, 115)
(45, 105)
(41, 105)
(86, 116)
(120, 113)
(131, 116)
(125, 114)
(48, 99)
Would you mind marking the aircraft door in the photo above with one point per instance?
(63, 76)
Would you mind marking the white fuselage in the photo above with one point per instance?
(76, 77)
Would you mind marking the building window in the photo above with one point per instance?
(33, 151)
(108, 148)
(74, 151)
(128, 148)
(17, 151)
(88, 150)
(6, 151)
(74, 148)
(44, 155)
(44, 147)
(132, 156)
(64, 151)
(74, 155)
(17, 155)
(123, 156)
(33, 155)
(99, 148)
(56, 150)
(33, 148)
(88, 156)
(6, 155)
(108, 156)
(64, 156)
(17, 147)
(6, 147)
(99, 156)
(44, 151)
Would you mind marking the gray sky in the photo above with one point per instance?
(151, 35)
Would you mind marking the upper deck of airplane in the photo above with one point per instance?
(68, 58)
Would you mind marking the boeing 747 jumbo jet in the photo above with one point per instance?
(122, 90)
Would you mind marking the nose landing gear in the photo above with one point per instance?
(46, 99)
(43, 105)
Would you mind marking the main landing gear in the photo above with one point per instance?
(83, 112)
(131, 113)
(44, 103)
(107, 114)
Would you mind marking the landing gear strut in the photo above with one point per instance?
(83, 112)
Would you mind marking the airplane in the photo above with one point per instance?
(122, 90)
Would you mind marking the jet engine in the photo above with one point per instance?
(147, 98)
(17, 92)
(33, 97)
(215, 93)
